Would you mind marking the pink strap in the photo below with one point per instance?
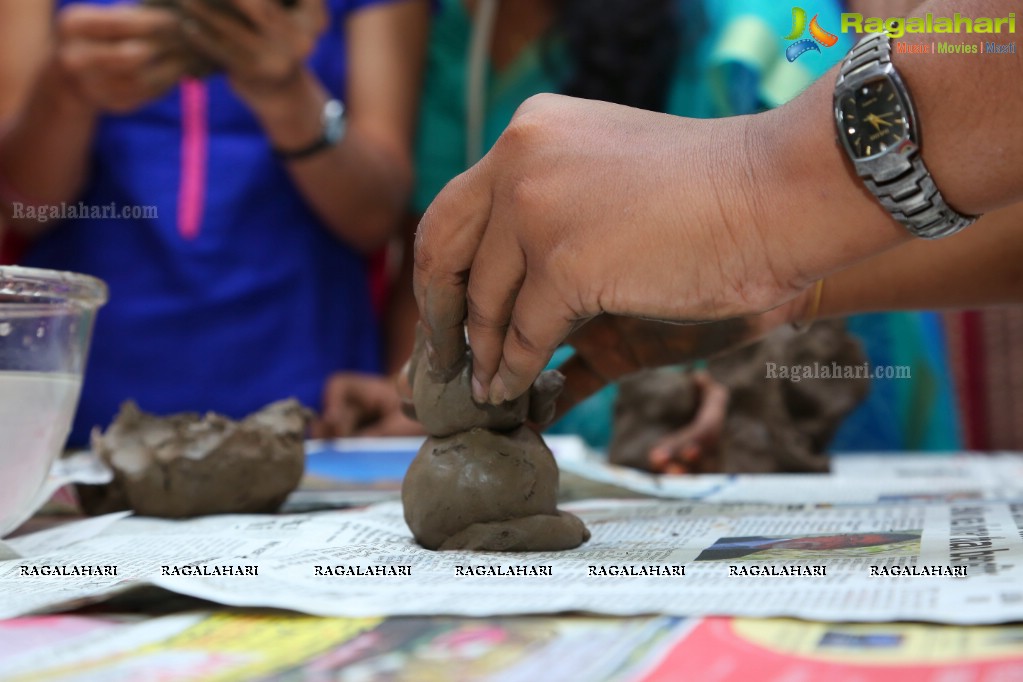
(194, 147)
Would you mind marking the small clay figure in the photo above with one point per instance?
(772, 424)
(191, 465)
(483, 480)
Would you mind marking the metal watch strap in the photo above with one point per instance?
(909, 195)
(874, 48)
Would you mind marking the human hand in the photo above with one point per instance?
(610, 347)
(117, 58)
(669, 421)
(362, 405)
(584, 208)
(692, 448)
(261, 45)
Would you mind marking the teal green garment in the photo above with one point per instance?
(731, 32)
(900, 414)
(734, 65)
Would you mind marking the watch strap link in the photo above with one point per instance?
(910, 194)
(914, 200)
(873, 49)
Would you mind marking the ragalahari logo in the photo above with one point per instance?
(801, 47)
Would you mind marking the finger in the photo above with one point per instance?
(338, 415)
(538, 326)
(391, 426)
(713, 408)
(494, 281)
(206, 43)
(220, 36)
(120, 22)
(118, 94)
(162, 75)
(320, 430)
(342, 419)
(675, 469)
(679, 447)
(658, 459)
(123, 57)
(403, 384)
(446, 243)
(263, 15)
(409, 410)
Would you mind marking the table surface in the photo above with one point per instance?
(148, 633)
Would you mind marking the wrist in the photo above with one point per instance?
(831, 220)
(291, 113)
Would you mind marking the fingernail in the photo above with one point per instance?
(478, 394)
(498, 392)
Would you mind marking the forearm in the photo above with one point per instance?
(813, 196)
(45, 148)
(978, 267)
(359, 186)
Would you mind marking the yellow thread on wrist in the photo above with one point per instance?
(815, 305)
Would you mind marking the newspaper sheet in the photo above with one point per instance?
(955, 562)
(855, 479)
(228, 647)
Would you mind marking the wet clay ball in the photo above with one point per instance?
(487, 491)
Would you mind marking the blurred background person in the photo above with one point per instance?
(260, 153)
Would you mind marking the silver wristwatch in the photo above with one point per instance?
(878, 129)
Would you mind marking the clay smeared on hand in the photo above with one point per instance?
(192, 465)
(484, 481)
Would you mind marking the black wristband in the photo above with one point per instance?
(333, 129)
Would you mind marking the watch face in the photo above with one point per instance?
(873, 118)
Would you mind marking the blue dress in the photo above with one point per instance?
(234, 294)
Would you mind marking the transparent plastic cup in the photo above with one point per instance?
(46, 320)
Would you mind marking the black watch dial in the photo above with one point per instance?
(873, 118)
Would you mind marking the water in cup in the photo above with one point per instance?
(35, 417)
